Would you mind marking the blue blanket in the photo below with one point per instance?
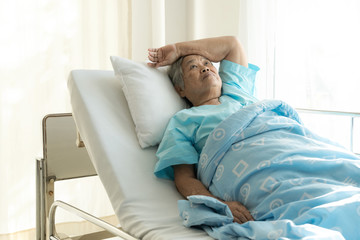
(295, 184)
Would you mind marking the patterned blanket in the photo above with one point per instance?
(295, 184)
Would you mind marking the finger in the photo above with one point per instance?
(250, 217)
(244, 211)
(153, 65)
(247, 214)
(242, 218)
(153, 49)
(243, 215)
(152, 58)
(237, 220)
(153, 54)
(160, 64)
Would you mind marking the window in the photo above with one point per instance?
(317, 54)
(316, 58)
(308, 52)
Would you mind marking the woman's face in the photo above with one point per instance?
(201, 80)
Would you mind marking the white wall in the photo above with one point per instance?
(141, 28)
(212, 18)
(184, 20)
(176, 17)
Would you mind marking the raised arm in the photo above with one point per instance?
(214, 49)
(187, 184)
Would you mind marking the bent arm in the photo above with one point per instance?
(187, 184)
(214, 49)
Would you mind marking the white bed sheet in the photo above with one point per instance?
(145, 206)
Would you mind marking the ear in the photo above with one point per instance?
(180, 91)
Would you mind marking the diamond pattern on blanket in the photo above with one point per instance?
(240, 168)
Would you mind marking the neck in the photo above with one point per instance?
(212, 101)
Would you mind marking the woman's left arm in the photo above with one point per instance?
(187, 184)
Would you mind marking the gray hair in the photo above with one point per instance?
(176, 74)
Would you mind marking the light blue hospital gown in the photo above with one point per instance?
(188, 129)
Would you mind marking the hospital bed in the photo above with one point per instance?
(99, 138)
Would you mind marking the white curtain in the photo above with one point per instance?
(257, 24)
(40, 42)
(308, 53)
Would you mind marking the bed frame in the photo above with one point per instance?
(65, 157)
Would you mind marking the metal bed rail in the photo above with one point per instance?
(84, 215)
(351, 115)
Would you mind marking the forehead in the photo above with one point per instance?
(192, 58)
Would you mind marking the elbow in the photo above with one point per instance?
(234, 41)
(236, 52)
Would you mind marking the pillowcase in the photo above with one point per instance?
(151, 98)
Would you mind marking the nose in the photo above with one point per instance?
(205, 69)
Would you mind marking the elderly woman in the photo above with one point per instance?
(213, 96)
(258, 155)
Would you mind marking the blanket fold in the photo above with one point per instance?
(209, 212)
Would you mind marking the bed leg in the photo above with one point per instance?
(40, 200)
(44, 199)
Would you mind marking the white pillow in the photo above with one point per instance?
(151, 97)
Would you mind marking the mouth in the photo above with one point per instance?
(207, 74)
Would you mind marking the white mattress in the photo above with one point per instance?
(146, 206)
